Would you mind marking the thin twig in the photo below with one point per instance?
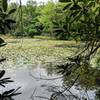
(68, 88)
(33, 94)
(42, 97)
(87, 94)
(45, 78)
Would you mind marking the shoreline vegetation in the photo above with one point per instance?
(33, 50)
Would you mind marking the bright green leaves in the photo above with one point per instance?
(90, 4)
(83, 14)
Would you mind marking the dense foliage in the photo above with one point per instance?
(5, 25)
(84, 25)
(68, 20)
(40, 19)
(5, 22)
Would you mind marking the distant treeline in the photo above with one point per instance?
(38, 19)
(67, 20)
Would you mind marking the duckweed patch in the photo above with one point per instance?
(19, 52)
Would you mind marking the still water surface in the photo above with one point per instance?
(36, 84)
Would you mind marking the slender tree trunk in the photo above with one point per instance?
(21, 18)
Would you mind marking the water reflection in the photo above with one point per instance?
(33, 88)
(43, 82)
(86, 87)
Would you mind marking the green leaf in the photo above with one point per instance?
(0, 9)
(64, 0)
(55, 23)
(8, 92)
(10, 21)
(67, 6)
(91, 4)
(4, 5)
(1, 41)
(75, 7)
(74, 13)
(76, 18)
(11, 11)
(2, 73)
(77, 0)
(8, 26)
(97, 9)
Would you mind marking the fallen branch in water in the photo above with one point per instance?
(41, 78)
(33, 94)
(66, 89)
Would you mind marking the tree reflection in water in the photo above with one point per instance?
(83, 78)
(82, 83)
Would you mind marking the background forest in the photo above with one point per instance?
(39, 20)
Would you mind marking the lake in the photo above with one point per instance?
(32, 65)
